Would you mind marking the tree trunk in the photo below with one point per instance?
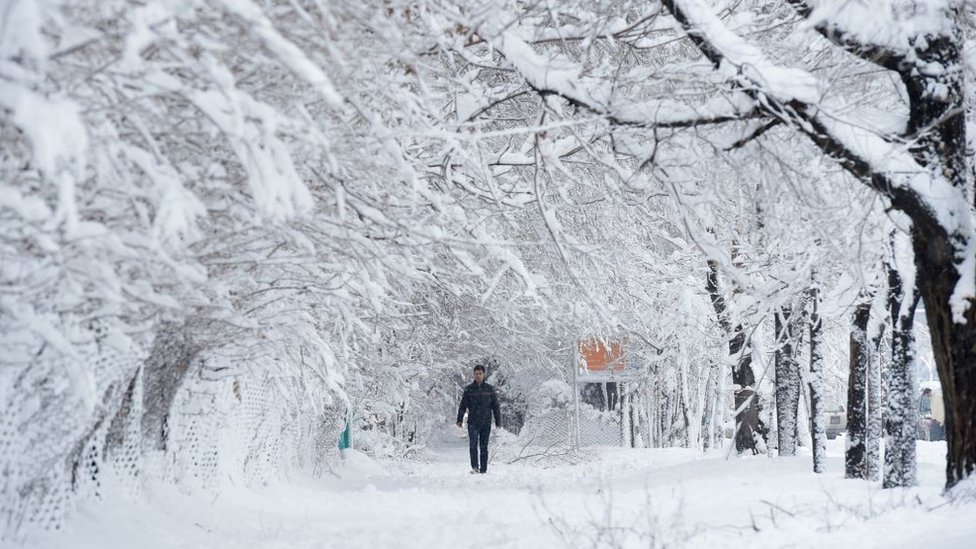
(626, 418)
(937, 127)
(712, 392)
(874, 416)
(748, 428)
(855, 458)
(685, 402)
(818, 425)
(954, 347)
(165, 367)
(902, 417)
(787, 384)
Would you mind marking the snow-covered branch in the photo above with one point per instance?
(865, 29)
(561, 77)
(882, 32)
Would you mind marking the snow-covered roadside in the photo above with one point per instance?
(612, 497)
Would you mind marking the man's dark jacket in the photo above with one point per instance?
(481, 402)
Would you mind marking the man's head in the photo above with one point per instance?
(927, 392)
(479, 373)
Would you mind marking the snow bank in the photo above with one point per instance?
(609, 497)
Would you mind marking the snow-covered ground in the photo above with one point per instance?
(609, 497)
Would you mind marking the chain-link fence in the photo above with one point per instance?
(56, 413)
(245, 429)
(552, 425)
(242, 428)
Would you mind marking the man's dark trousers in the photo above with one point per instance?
(478, 439)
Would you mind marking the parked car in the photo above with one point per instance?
(836, 421)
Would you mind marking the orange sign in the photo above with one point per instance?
(600, 356)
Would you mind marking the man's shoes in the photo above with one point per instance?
(475, 471)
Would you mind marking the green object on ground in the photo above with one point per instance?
(345, 439)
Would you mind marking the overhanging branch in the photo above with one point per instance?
(806, 118)
(882, 56)
(557, 77)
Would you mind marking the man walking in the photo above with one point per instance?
(481, 402)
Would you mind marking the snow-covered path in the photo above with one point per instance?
(612, 497)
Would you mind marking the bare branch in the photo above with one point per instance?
(754, 134)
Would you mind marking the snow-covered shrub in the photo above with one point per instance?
(549, 420)
(553, 395)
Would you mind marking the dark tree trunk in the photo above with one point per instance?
(748, 428)
(954, 347)
(787, 384)
(163, 372)
(937, 126)
(855, 458)
(818, 425)
(902, 417)
(127, 412)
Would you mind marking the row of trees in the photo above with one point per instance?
(915, 162)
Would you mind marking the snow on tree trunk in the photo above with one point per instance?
(690, 407)
(855, 458)
(818, 428)
(701, 408)
(748, 431)
(712, 392)
(627, 419)
(902, 414)
(683, 401)
(874, 416)
(747, 424)
(787, 384)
